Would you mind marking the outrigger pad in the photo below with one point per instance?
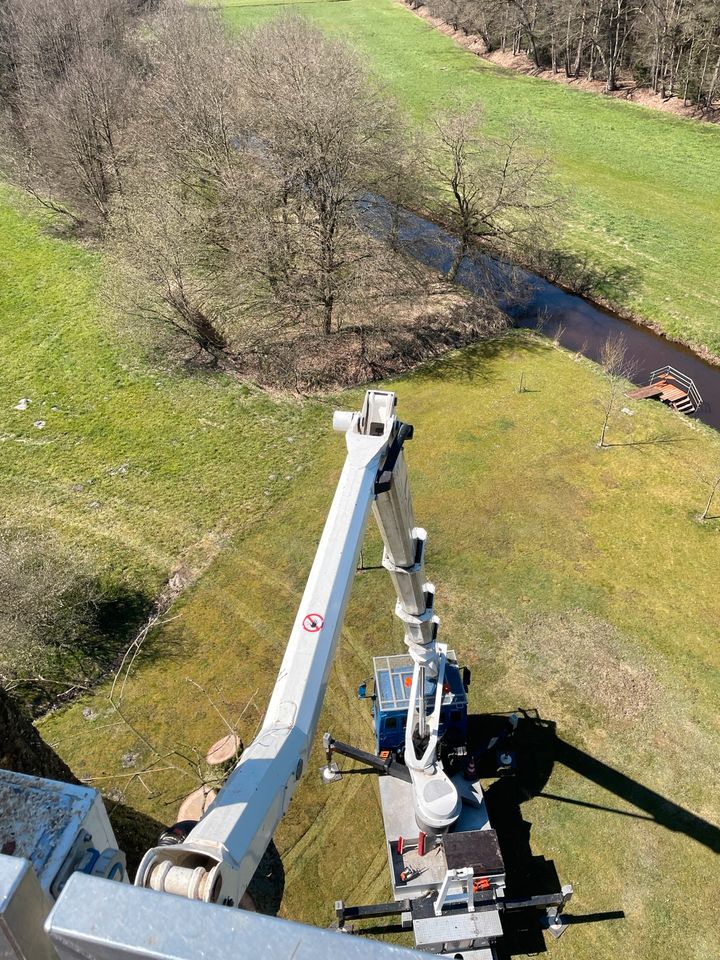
(330, 773)
(554, 923)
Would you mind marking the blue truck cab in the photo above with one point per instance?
(393, 680)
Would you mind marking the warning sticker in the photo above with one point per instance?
(313, 622)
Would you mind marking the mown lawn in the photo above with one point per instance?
(571, 580)
(643, 187)
(142, 467)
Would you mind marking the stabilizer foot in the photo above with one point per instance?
(330, 773)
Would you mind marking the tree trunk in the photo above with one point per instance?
(613, 46)
(713, 490)
(595, 46)
(713, 83)
(22, 748)
(460, 255)
(581, 42)
(567, 45)
(701, 83)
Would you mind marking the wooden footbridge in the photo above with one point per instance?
(672, 387)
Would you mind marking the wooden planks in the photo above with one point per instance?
(663, 390)
(645, 393)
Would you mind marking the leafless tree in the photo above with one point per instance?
(618, 368)
(669, 46)
(245, 221)
(172, 228)
(492, 193)
(325, 136)
(713, 482)
(48, 607)
(71, 82)
(157, 273)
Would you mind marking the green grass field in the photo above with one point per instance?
(644, 187)
(571, 580)
(142, 467)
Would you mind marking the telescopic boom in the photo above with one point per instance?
(220, 855)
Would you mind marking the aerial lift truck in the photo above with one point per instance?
(178, 906)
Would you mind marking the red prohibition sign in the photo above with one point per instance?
(313, 622)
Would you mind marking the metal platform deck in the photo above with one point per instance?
(396, 801)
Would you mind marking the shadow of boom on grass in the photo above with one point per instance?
(662, 811)
(538, 748)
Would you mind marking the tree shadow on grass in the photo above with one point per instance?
(659, 440)
(97, 651)
(135, 832)
(586, 278)
(476, 363)
(120, 611)
(268, 883)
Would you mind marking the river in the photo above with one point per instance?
(582, 326)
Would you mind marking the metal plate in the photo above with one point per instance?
(23, 909)
(483, 925)
(98, 919)
(393, 677)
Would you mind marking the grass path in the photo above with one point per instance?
(644, 187)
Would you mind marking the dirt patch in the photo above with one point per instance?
(627, 89)
(392, 341)
(586, 657)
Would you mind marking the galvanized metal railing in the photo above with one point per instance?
(687, 383)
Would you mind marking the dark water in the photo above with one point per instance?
(583, 326)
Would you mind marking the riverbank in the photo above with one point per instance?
(697, 353)
(574, 321)
(642, 186)
(627, 90)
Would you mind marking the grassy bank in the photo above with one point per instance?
(142, 467)
(643, 187)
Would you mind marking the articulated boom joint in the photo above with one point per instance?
(384, 480)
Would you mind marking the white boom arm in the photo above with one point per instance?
(220, 855)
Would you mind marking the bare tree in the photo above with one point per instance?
(48, 608)
(325, 136)
(160, 274)
(71, 83)
(246, 220)
(492, 194)
(618, 368)
(713, 482)
(172, 227)
(671, 46)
